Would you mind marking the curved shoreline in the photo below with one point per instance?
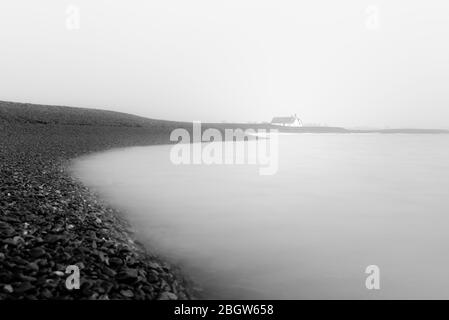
(168, 280)
(49, 220)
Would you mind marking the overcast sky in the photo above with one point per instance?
(345, 63)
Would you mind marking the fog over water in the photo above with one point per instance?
(338, 203)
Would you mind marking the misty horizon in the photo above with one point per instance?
(351, 64)
(306, 124)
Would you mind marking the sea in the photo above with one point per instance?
(344, 216)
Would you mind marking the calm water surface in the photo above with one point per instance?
(338, 203)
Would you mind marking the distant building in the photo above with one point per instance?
(292, 121)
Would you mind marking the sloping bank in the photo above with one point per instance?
(49, 221)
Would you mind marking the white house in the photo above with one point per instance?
(292, 121)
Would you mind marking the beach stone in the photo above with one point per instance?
(46, 294)
(52, 238)
(27, 278)
(10, 241)
(128, 274)
(152, 278)
(37, 252)
(6, 276)
(33, 266)
(106, 286)
(168, 296)
(154, 265)
(42, 262)
(109, 272)
(80, 265)
(24, 287)
(182, 296)
(18, 260)
(38, 240)
(18, 240)
(6, 230)
(114, 261)
(131, 261)
(103, 257)
(127, 293)
(8, 288)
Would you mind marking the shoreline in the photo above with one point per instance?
(50, 220)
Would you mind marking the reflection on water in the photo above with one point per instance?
(337, 204)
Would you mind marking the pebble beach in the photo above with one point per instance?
(49, 220)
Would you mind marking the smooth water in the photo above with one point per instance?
(338, 203)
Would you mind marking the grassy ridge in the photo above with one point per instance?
(59, 115)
